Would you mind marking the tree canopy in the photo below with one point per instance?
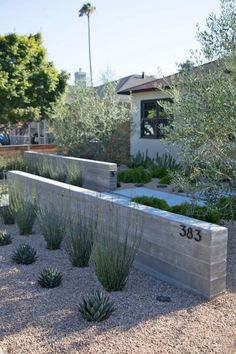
(30, 85)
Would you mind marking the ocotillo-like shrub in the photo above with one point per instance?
(53, 226)
(116, 242)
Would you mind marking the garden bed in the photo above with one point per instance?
(47, 321)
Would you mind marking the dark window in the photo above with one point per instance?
(152, 117)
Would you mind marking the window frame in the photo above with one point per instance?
(157, 119)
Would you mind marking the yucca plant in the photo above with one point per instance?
(50, 278)
(23, 211)
(116, 243)
(24, 254)
(96, 307)
(53, 226)
(7, 216)
(5, 238)
(79, 240)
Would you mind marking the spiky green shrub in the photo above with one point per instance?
(226, 207)
(23, 210)
(50, 278)
(79, 240)
(135, 175)
(116, 244)
(167, 161)
(141, 160)
(53, 226)
(5, 238)
(74, 176)
(96, 307)
(7, 216)
(24, 254)
(159, 172)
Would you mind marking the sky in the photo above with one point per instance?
(127, 36)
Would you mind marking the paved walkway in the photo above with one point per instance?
(171, 199)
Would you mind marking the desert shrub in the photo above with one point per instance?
(5, 238)
(141, 160)
(167, 161)
(96, 307)
(23, 211)
(198, 212)
(135, 175)
(166, 179)
(226, 207)
(74, 176)
(116, 243)
(12, 163)
(79, 240)
(7, 216)
(24, 254)
(192, 210)
(50, 278)
(152, 202)
(159, 172)
(53, 226)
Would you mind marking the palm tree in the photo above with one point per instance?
(87, 9)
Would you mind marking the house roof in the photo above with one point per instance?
(152, 84)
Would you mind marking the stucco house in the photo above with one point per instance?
(148, 115)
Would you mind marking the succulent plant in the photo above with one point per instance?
(5, 238)
(50, 278)
(24, 254)
(96, 307)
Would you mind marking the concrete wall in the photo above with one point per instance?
(181, 250)
(97, 175)
(145, 144)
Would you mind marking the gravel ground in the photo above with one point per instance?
(36, 320)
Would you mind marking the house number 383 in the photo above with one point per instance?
(190, 233)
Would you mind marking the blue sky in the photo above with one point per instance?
(128, 36)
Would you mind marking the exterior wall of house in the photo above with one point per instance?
(152, 146)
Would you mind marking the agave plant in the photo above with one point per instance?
(24, 254)
(5, 238)
(96, 307)
(50, 278)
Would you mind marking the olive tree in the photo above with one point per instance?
(204, 110)
(87, 120)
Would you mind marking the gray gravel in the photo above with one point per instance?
(36, 320)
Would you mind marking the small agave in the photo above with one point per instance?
(24, 254)
(50, 278)
(96, 307)
(5, 238)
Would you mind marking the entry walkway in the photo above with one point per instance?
(171, 199)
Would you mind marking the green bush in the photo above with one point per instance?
(53, 226)
(135, 175)
(141, 160)
(159, 172)
(167, 161)
(152, 202)
(115, 247)
(7, 216)
(166, 179)
(226, 207)
(23, 211)
(79, 240)
(50, 278)
(5, 238)
(195, 211)
(12, 163)
(96, 307)
(24, 254)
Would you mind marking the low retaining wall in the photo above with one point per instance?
(97, 175)
(181, 250)
(14, 150)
